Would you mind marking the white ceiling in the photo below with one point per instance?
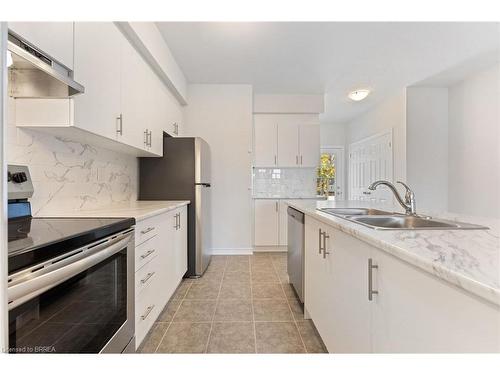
(332, 58)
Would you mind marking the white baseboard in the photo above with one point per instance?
(270, 249)
(233, 251)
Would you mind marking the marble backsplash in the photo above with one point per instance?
(68, 174)
(284, 182)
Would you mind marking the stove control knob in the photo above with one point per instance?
(19, 177)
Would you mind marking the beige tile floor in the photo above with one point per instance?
(242, 304)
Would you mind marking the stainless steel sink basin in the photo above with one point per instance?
(353, 211)
(411, 223)
(377, 219)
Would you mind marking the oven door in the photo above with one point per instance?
(80, 302)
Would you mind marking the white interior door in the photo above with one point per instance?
(369, 160)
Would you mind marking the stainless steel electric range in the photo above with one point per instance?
(71, 280)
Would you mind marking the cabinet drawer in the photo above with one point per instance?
(146, 251)
(145, 277)
(148, 228)
(147, 310)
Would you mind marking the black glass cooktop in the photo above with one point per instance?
(33, 240)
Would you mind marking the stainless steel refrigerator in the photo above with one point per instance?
(183, 173)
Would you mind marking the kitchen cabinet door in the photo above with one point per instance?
(135, 97)
(415, 312)
(53, 38)
(336, 289)
(97, 67)
(283, 223)
(266, 222)
(317, 298)
(180, 244)
(265, 141)
(288, 144)
(309, 145)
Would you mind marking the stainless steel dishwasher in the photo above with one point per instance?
(296, 251)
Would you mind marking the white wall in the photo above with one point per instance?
(387, 115)
(332, 135)
(427, 146)
(222, 115)
(474, 144)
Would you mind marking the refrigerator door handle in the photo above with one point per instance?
(205, 184)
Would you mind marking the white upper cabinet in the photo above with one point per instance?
(265, 141)
(53, 38)
(286, 140)
(288, 144)
(309, 145)
(135, 98)
(97, 67)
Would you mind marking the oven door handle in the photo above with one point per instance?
(26, 290)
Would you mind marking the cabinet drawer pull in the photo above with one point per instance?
(147, 230)
(320, 246)
(148, 311)
(148, 276)
(119, 129)
(300, 159)
(325, 237)
(371, 292)
(148, 253)
(297, 159)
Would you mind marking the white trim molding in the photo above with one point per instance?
(233, 251)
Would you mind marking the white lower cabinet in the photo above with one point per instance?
(161, 262)
(266, 222)
(270, 222)
(409, 311)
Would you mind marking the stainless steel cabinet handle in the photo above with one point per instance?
(320, 246)
(371, 292)
(148, 311)
(148, 276)
(179, 219)
(147, 230)
(276, 206)
(176, 128)
(300, 159)
(275, 160)
(148, 253)
(325, 237)
(146, 137)
(297, 159)
(149, 138)
(119, 129)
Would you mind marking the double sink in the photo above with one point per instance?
(377, 219)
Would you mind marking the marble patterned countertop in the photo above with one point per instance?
(139, 210)
(468, 259)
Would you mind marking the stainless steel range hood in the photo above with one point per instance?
(34, 74)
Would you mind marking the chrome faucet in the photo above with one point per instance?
(409, 203)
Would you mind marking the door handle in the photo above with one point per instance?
(325, 237)
(371, 292)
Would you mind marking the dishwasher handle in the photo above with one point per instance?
(297, 215)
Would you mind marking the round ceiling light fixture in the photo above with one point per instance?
(358, 95)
